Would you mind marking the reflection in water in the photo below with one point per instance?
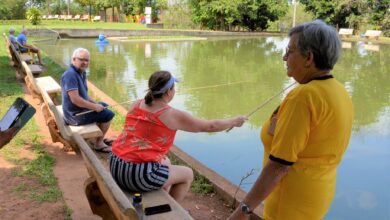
(223, 78)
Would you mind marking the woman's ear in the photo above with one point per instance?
(309, 59)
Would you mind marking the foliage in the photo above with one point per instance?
(137, 7)
(351, 13)
(34, 15)
(12, 9)
(227, 14)
(179, 10)
(256, 14)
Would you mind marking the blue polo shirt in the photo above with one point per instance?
(22, 38)
(72, 79)
(13, 40)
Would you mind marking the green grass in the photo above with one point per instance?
(67, 213)
(118, 121)
(18, 24)
(39, 169)
(200, 185)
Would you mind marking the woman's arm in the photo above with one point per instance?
(270, 176)
(180, 120)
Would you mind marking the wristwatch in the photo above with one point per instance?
(245, 208)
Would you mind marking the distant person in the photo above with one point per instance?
(75, 99)
(138, 161)
(306, 136)
(12, 38)
(6, 136)
(22, 39)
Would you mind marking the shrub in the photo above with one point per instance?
(34, 16)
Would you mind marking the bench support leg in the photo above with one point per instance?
(96, 200)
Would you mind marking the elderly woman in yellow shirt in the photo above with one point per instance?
(307, 135)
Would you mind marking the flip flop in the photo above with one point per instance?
(107, 149)
(108, 141)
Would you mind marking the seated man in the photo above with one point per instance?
(75, 99)
(22, 39)
(12, 39)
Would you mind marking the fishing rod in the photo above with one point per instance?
(265, 103)
(89, 111)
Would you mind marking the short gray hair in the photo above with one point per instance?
(320, 39)
(12, 30)
(76, 53)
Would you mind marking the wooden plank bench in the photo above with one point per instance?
(372, 33)
(105, 197)
(117, 202)
(35, 69)
(25, 57)
(345, 32)
(47, 83)
(59, 131)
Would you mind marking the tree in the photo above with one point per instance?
(379, 12)
(256, 15)
(341, 13)
(12, 9)
(34, 15)
(250, 14)
(89, 3)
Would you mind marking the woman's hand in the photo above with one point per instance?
(239, 121)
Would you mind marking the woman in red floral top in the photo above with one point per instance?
(138, 161)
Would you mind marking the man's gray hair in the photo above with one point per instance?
(12, 30)
(320, 39)
(76, 53)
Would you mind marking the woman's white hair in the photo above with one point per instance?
(76, 53)
(320, 39)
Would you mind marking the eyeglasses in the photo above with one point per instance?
(82, 59)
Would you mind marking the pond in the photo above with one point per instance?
(224, 77)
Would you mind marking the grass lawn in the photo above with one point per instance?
(38, 169)
(18, 24)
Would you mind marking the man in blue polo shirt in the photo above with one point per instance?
(75, 99)
(22, 39)
(12, 38)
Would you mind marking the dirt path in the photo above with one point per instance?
(71, 173)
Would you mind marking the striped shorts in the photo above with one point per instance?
(138, 177)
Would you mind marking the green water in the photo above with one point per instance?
(226, 77)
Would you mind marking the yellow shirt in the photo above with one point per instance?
(312, 130)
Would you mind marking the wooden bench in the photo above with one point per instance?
(84, 18)
(76, 18)
(345, 32)
(35, 69)
(47, 83)
(23, 56)
(59, 131)
(372, 33)
(96, 18)
(106, 199)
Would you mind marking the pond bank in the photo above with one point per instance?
(94, 33)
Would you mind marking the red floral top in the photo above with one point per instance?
(144, 138)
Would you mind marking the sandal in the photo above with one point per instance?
(108, 141)
(107, 149)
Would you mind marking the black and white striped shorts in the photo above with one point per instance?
(138, 177)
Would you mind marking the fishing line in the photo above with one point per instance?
(265, 103)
